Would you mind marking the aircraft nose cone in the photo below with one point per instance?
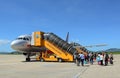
(17, 45)
(14, 45)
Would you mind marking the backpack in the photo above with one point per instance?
(78, 57)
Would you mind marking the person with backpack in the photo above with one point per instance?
(106, 58)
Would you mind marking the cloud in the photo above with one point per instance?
(4, 42)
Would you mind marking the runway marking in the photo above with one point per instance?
(78, 74)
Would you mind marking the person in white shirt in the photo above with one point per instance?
(101, 58)
(82, 57)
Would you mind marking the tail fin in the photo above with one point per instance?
(67, 37)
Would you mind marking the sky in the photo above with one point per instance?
(89, 22)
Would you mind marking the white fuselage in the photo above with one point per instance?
(23, 44)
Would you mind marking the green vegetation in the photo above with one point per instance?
(114, 52)
(16, 53)
(4, 53)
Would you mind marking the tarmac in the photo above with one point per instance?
(14, 66)
(97, 71)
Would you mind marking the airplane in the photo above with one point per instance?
(23, 44)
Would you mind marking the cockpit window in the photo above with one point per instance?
(27, 39)
(20, 38)
(24, 38)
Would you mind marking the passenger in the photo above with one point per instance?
(98, 59)
(85, 60)
(111, 58)
(82, 58)
(106, 58)
(87, 57)
(77, 59)
(91, 58)
(95, 56)
(75, 56)
(101, 59)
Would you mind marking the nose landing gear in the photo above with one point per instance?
(28, 57)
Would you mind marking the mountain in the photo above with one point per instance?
(4, 52)
(14, 52)
(113, 50)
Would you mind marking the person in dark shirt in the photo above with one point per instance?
(111, 58)
(106, 58)
(78, 59)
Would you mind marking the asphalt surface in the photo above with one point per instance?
(14, 66)
(97, 71)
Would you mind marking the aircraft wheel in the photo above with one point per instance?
(27, 59)
(41, 60)
(59, 60)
